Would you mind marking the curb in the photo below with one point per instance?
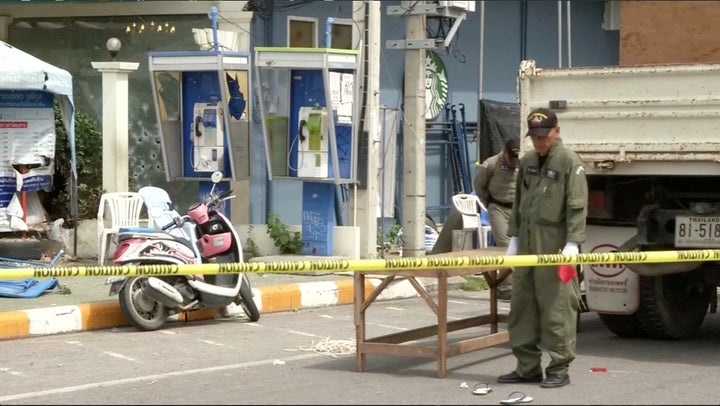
(269, 299)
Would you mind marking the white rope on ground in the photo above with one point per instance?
(330, 347)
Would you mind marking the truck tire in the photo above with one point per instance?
(623, 325)
(19, 248)
(673, 306)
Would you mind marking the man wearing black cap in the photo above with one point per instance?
(548, 217)
(495, 186)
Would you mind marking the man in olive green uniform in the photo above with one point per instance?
(495, 185)
(548, 217)
(490, 177)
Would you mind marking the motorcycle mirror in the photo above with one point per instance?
(216, 176)
(155, 211)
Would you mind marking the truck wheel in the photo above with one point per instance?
(623, 325)
(19, 248)
(673, 306)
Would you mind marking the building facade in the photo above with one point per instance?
(481, 60)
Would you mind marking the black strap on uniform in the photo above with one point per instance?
(499, 203)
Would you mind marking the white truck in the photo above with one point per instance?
(650, 139)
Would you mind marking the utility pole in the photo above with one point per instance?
(366, 202)
(414, 193)
(415, 44)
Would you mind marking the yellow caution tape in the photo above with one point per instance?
(349, 265)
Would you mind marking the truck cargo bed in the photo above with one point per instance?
(659, 119)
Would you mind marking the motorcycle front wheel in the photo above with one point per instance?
(143, 312)
(247, 303)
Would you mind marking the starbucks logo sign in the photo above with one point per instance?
(436, 85)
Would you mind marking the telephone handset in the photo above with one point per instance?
(302, 125)
(198, 122)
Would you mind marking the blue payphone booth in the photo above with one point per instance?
(202, 104)
(309, 116)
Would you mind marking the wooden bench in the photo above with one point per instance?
(397, 343)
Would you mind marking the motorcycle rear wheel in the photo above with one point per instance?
(144, 313)
(247, 303)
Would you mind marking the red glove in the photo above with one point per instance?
(566, 272)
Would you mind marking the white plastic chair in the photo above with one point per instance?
(123, 210)
(468, 205)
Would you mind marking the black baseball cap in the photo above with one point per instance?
(512, 147)
(540, 122)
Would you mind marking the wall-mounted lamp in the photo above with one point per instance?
(140, 28)
(113, 46)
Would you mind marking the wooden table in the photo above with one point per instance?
(397, 343)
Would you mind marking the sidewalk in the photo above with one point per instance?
(82, 303)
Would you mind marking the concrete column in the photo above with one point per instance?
(367, 198)
(115, 123)
(414, 193)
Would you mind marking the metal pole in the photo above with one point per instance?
(559, 39)
(569, 34)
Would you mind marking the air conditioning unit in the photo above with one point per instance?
(227, 40)
(458, 5)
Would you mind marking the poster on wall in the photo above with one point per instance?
(27, 143)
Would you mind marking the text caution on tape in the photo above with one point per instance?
(383, 265)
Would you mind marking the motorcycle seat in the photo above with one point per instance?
(152, 233)
(136, 230)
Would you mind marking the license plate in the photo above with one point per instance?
(115, 288)
(115, 282)
(697, 231)
(113, 279)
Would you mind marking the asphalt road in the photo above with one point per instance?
(307, 357)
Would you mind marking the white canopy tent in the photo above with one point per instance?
(22, 71)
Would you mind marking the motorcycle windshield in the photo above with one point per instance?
(153, 197)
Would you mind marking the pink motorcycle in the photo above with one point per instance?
(203, 235)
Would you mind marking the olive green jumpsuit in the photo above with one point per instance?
(550, 209)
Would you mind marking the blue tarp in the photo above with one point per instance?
(26, 288)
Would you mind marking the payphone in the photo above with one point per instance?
(308, 97)
(207, 135)
(202, 103)
(312, 142)
(202, 100)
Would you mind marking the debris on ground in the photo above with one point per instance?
(330, 347)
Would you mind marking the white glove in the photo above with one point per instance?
(512, 247)
(571, 248)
